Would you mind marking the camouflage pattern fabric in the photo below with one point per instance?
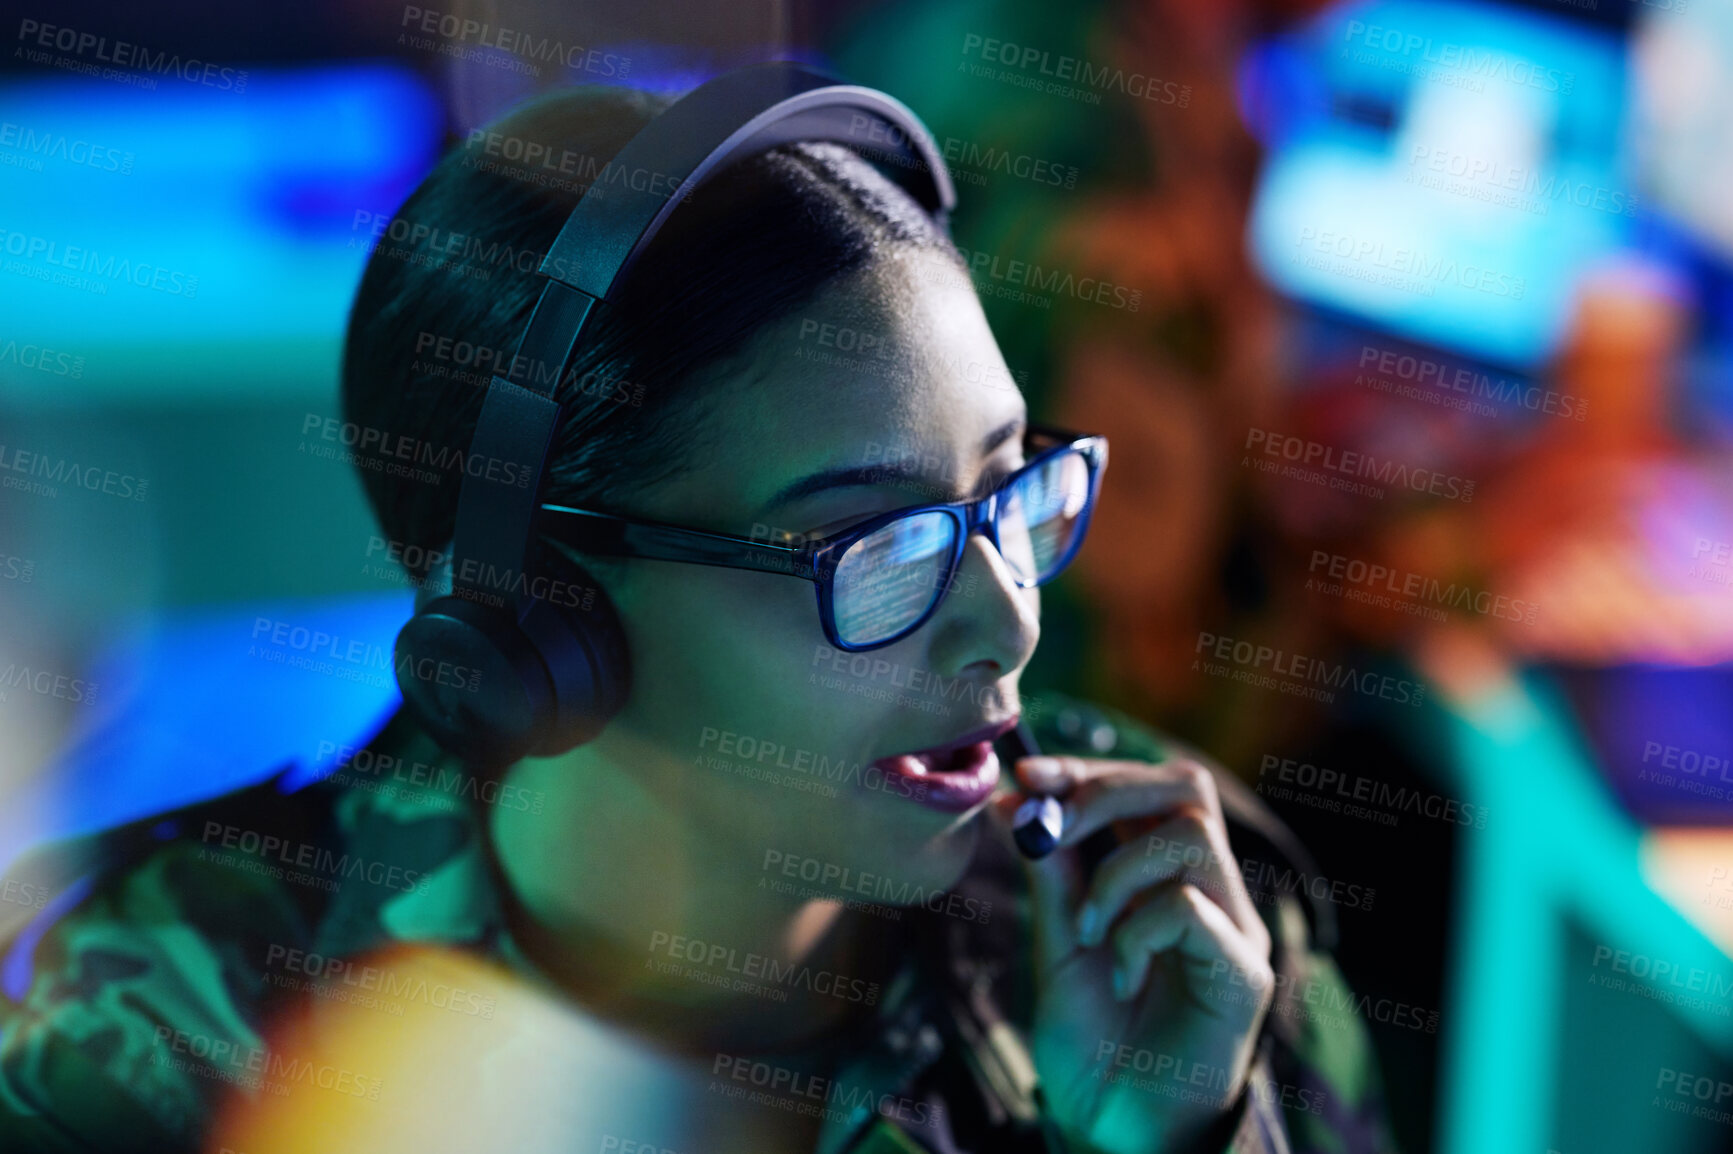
(137, 983)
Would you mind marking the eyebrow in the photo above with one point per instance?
(861, 476)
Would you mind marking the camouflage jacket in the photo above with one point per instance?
(137, 986)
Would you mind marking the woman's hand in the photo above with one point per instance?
(1153, 974)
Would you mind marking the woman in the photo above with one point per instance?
(773, 906)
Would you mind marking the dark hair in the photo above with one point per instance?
(750, 246)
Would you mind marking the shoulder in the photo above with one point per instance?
(129, 947)
(136, 984)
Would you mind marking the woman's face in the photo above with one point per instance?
(744, 728)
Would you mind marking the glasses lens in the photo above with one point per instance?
(888, 579)
(1041, 514)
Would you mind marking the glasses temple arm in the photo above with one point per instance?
(605, 535)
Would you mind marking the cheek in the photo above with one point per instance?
(712, 647)
(745, 655)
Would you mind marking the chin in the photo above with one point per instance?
(927, 862)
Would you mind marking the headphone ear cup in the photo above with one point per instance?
(474, 680)
(583, 647)
(493, 688)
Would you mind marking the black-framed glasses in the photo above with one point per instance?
(883, 578)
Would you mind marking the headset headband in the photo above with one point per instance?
(736, 115)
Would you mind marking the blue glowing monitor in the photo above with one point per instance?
(194, 241)
(1448, 172)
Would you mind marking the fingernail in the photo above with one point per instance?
(1089, 924)
(1119, 983)
(1044, 769)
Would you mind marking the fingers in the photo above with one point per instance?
(1208, 942)
(1099, 793)
(1185, 846)
(1190, 845)
(1049, 775)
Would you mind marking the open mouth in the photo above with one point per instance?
(952, 777)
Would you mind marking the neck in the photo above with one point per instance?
(625, 898)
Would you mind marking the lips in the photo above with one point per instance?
(953, 777)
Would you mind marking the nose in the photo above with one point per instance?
(986, 627)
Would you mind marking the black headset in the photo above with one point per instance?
(491, 671)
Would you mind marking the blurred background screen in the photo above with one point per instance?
(1414, 346)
